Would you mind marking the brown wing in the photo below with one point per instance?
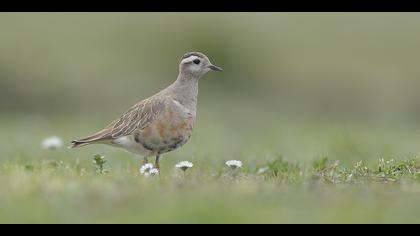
(137, 117)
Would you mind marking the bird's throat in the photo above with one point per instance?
(185, 89)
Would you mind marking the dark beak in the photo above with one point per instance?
(215, 68)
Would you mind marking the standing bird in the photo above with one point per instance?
(162, 122)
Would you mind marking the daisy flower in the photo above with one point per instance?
(184, 165)
(234, 164)
(154, 172)
(146, 168)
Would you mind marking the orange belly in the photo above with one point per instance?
(166, 134)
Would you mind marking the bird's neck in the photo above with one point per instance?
(185, 89)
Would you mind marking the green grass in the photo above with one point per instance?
(322, 192)
(340, 186)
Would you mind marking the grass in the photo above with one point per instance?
(96, 189)
(296, 173)
(322, 192)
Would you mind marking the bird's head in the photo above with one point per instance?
(196, 64)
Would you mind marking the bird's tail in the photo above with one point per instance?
(99, 137)
(76, 144)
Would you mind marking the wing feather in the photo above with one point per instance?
(137, 117)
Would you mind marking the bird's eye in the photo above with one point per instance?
(196, 61)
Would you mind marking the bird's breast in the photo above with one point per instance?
(172, 130)
(174, 124)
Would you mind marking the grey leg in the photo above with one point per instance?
(145, 160)
(157, 162)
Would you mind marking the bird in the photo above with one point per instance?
(161, 123)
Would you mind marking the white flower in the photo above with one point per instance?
(184, 165)
(154, 172)
(146, 168)
(52, 143)
(234, 164)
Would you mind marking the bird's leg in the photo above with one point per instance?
(145, 160)
(157, 162)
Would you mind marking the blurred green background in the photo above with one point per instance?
(302, 85)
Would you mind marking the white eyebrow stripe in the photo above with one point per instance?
(189, 59)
